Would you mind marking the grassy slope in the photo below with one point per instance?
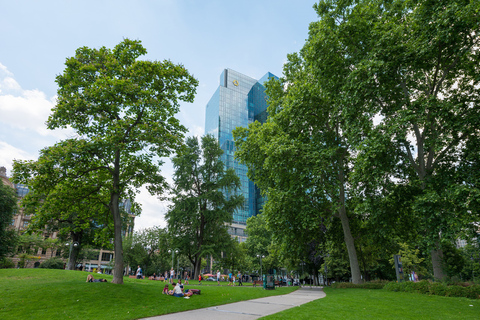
(381, 304)
(54, 294)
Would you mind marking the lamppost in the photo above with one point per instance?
(173, 252)
(71, 245)
(261, 271)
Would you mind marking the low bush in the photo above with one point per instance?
(435, 288)
(52, 263)
(6, 263)
(377, 284)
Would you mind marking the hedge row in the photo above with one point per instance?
(366, 285)
(435, 288)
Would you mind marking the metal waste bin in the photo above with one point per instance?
(269, 282)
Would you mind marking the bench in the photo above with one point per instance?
(260, 282)
(278, 283)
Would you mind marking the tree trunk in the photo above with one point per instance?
(117, 242)
(73, 250)
(437, 258)
(347, 234)
(197, 266)
(117, 222)
(352, 253)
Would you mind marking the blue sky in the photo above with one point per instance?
(36, 37)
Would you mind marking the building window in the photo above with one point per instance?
(25, 224)
(44, 251)
(58, 253)
(106, 256)
(13, 222)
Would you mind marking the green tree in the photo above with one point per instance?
(197, 219)
(148, 248)
(66, 198)
(300, 158)
(259, 236)
(124, 109)
(8, 206)
(414, 66)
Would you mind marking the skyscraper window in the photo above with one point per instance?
(238, 101)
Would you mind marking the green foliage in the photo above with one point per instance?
(148, 248)
(204, 199)
(410, 260)
(6, 263)
(367, 285)
(453, 260)
(52, 263)
(436, 288)
(8, 205)
(123, 112)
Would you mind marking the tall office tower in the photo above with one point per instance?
(238, 101)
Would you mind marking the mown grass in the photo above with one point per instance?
(382, 304)
(61, 294)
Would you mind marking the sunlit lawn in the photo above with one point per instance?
(60, 294)
(381, 304)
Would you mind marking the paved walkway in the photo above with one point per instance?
(249, 309)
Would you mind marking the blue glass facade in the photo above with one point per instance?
(238, 101)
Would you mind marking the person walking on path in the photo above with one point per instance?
(230, 278)
(239, 277)
(199, 279)
(218, 277)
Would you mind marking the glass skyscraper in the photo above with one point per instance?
(238, 101)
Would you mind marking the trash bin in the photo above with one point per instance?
(269, 282)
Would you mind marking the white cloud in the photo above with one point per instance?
(153, 211)
(28, 111)
(9, 84)
(25, 109)
(4, 70)
(8, 153)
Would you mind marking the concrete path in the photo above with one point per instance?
(249, 309)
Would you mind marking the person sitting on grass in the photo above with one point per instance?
(165, 289)
(178, 292)
(90, 278)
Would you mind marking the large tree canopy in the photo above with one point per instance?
(124, 109)
(383, 94)
(66, 197)
(197, 219)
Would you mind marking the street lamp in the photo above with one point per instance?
(261, 271)
(71, 245)
(173, 252)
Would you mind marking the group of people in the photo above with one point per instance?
(231, 278)
(178, 290)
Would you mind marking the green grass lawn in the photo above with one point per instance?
(60, 294)
(381, 304)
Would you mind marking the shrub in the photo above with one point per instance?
(393, 286)
(455, 291)
(473, 291)
(52, 263)
(435, 288)
(6, 263)
(377, 284)
(438, 289)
